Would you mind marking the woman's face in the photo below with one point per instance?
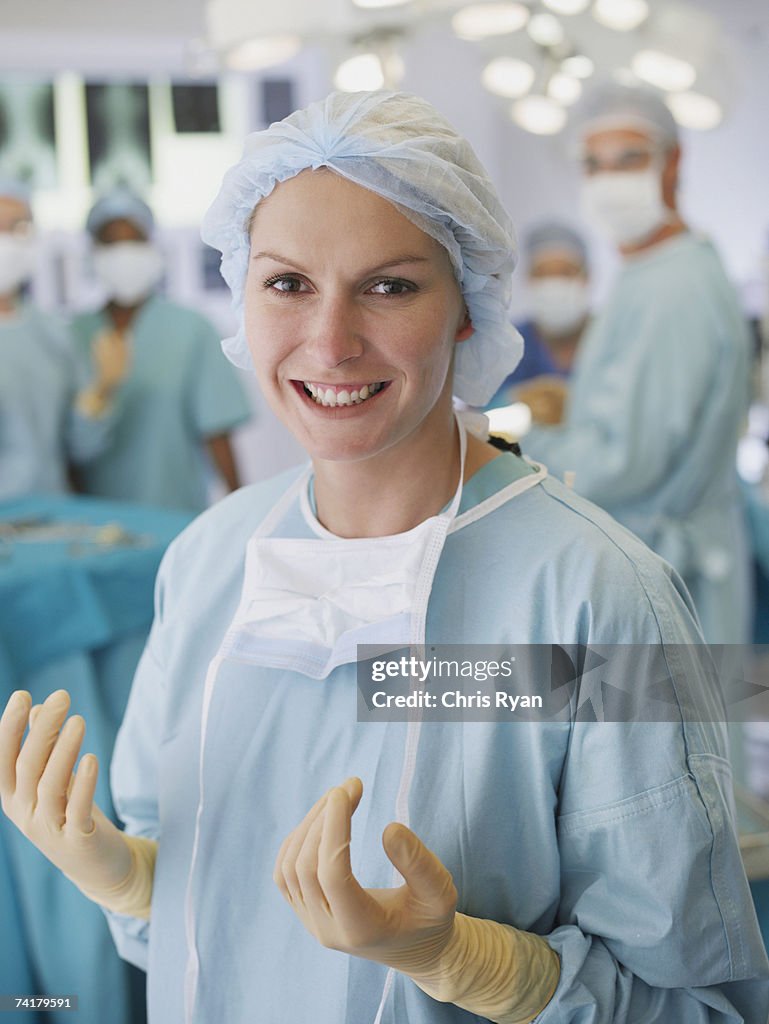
(352, 315)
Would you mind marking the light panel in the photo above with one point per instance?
(693, 110)
(362, 73)
(545, 29)
(480, 21)
(621, 15)
(508, 77)
(539, 114)
(672, 74)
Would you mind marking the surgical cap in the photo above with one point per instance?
(400, 147)
(120, 204)
(614, 105)
(554, 236)
(13, 188)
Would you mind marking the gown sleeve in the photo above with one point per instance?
(655, 921)
(134, 768)
(633, 420)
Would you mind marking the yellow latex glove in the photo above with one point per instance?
(485, 967)
(56, 811)
(111, 356)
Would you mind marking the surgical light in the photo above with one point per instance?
(508, 77)
(545, 30)
(578, 66)
(479, 21)
(564, 89)
(263, 52)
(693, 110)
(362, 73)
(621, 15)
(539, 114)
(566, 6)
(672, 74)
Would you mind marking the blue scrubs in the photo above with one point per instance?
(180, 390)
(614, 841)
(37, 385)
(657, 402)
(535, 362)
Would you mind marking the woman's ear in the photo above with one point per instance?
(466, 328)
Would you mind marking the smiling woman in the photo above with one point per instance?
(352, 332)
(550, 868)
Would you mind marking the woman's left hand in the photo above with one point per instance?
(407, 928)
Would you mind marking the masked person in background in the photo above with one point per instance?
(660, 389)
(154, 374)
(558, 870)
(38, 428)
(558, 291)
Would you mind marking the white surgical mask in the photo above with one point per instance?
(128, 270)
(559, 304)
(17, 261)
(626, 205)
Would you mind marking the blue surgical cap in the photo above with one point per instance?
(120, 204)
(555, 236)
(400, 147)
(616, 105)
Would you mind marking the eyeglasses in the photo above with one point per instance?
(626, 160)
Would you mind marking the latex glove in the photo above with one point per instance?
(546, 397)
(488, 968)
(406, 928)
(55, 810)
(111, 356)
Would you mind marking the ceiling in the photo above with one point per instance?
(53, 35)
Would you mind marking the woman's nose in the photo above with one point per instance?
(336, 333)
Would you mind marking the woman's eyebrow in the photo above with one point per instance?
(394, 262)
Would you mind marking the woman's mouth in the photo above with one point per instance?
(333, 396)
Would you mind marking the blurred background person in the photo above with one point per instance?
(156, 377)
(37, 373)
(660, 391)
(558, 293)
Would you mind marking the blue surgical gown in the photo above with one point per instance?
(38, 428)
(657, 401)
(535, 362)
(180, 390)
(613, 841)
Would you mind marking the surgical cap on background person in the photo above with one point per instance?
(612, 105)
(554, 237)
(400, 147)
(120, 204)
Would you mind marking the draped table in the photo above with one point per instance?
(76, 602)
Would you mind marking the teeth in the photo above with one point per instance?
(332, 399)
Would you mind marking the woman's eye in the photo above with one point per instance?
(284, 284)
(392, 287)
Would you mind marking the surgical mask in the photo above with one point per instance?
(626, 205)
(128, 270)
(17, 261)
(559, 304)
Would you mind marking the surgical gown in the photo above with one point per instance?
(658, 397)
(38, 428)
(537, 361)
(180, 390)
(613, 841)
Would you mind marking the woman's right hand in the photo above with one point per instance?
(51, 806)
